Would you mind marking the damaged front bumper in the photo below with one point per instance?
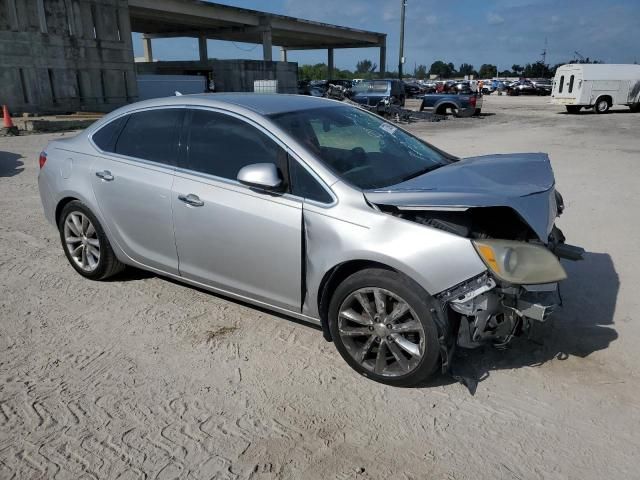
(491, 311)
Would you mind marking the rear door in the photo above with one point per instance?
(132, 178)
(229, 236)
(568, 84)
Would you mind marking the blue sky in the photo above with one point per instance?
(501, 32)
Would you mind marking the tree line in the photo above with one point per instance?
(367, 69)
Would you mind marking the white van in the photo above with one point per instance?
(598, 86)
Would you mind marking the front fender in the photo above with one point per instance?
(434, 259)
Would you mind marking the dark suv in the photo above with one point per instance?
(379, 92)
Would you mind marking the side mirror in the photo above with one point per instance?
(260, 175)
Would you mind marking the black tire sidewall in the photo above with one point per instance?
(605, 110)
(418, 299)
(105, 248)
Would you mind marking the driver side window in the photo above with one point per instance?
(221, 145)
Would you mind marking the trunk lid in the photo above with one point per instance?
(522, 181)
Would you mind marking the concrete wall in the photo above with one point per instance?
(231, 75)
(65, 55)
(238, 75)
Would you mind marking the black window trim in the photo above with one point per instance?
(290, 154)
(295, 158)
(171, 167)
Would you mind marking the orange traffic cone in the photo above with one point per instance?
(8, 128)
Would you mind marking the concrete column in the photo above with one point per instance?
(41, 16)
(383, 59)
(202, 48)
(148, 51)
(267, 45)
(12, 13)
(283, 54)
(71, 19)
(329, 63)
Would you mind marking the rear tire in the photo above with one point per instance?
(601, 106)
(85, 244)
(635, 107)
(573, 108)
(399, 349)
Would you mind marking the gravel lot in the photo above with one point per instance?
(142, 377)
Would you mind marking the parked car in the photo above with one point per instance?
(318, 210)
(543, 86)
(339, 89)
(318, 88)
(429, 86)
(521, 87)
(413, 89)
(597, 86)
(379, 92)
(463, 104)
(499, 85)
(304, 87)
(487, 87)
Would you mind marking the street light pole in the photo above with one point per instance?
(403, 4)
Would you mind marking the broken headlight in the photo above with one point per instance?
(519, 262)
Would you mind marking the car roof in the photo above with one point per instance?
(261, 103)
(269, 103)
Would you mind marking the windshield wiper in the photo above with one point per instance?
(419, 172)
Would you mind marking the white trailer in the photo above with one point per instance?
(598, 86)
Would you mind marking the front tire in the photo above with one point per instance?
(85, 244)
(601, 106)
(382, 324)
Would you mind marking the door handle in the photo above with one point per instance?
(105, 175)
(191, 199)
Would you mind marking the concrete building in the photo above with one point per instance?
(77, 55)
(65, 55)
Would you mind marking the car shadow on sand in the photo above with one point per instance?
(582, 326)
(10, 164)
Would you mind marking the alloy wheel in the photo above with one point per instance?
(81, 240)
(381, 332)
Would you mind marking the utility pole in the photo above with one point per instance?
(403, 4)
(544, 52)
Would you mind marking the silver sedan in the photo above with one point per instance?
(318, 210)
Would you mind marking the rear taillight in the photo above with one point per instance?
(472, 101)
(42, 159)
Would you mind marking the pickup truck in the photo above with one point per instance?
(458, 104)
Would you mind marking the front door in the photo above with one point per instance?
(230, 236)
(132, 182)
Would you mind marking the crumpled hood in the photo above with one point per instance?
(522, 181)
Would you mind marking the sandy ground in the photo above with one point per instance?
(142, 377)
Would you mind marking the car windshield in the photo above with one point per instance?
(360, 147)
(364, 86)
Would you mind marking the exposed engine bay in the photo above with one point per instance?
(488, 309)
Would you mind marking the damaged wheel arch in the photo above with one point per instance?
(332, 279)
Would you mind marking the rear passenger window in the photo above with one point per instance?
(106, 137)
(304, 185)
(561, 86)
(221, 145)
(152, 135)
(571, 84)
